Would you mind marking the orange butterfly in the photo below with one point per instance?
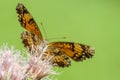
(61, 51)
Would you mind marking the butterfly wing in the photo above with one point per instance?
(30, 41)
(27, 21)
(33, 38)
(61, 60)
(76, 51)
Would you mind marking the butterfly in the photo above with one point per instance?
(62, 52)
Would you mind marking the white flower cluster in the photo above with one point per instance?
(13, 66)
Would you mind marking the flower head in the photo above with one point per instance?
(10, 64)
(13, 66)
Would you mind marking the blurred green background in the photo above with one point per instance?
(92, 22)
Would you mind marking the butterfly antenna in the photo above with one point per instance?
(44, 30)
(58, 38)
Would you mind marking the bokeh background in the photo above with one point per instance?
(92, 22)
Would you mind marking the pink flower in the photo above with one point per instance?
(14, 66)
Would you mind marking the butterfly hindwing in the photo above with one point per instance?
(59, 57)
(30, 41)
(61, 60)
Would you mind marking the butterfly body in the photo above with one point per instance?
(60, 51)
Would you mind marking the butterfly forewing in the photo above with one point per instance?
(76, 51)
(27, 21)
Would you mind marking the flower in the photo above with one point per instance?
(14, 66)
